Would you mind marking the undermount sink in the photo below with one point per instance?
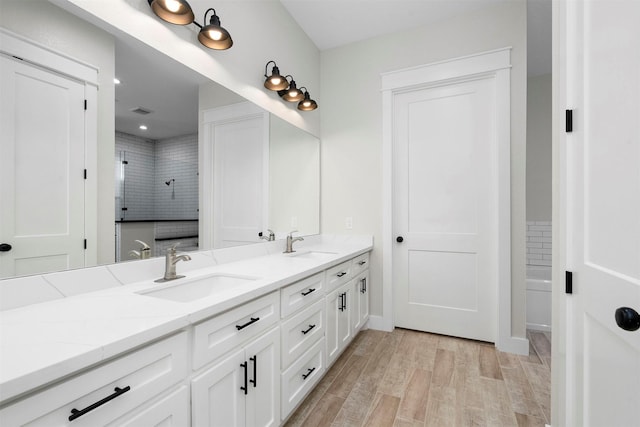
(197, 289)
(316, 255)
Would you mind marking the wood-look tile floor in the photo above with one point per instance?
(408, 378)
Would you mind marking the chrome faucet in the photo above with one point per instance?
(290, 241)
(171, 259)
(143, 253)
(270, 238)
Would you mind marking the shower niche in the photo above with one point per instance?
(156, 194)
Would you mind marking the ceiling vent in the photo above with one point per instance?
(141, 110)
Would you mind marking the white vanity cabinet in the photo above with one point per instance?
(243, 389)
(114, 390)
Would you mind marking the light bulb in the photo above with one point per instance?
(215, 34)
(172, 5)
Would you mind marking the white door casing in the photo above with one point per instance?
(492, 65)
(596, 364)
(234, 170)
(48, 138)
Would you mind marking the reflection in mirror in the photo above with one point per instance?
(294, 179)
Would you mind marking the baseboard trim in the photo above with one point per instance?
(379, 323)
(514, 345)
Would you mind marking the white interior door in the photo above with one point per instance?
(445, 209)
(602, 211)
(41, 170)
(240, 179)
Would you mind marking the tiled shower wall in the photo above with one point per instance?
(539, 242)
(176, 158)
(149, 165)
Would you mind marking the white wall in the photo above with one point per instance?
(51, 26)
(351, 125)
(539, 148)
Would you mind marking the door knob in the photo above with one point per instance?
(399, 239)
(5, 247)
(628, 319)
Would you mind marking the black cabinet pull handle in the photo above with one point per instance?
(341, 306)
(399, 239)
(245, 388)
(254, 381)
(363, 289)
(75, 413)
(5, 247)
(362, 262)
(251, 322)
(342, 273)
(309, 371)
(308, 330)
(304, 294)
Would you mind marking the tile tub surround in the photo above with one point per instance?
(43, 342)
(539, 243)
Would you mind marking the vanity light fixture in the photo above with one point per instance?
(173, 11)
(275, 81)
(179, 12)
(287, 88)
(307, 104)
(213, 35)
(291, 94)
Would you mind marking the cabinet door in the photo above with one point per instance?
(361, 301)
(344, 315)
(339, 310)
(263, 395)
(216, 396)
(333, 308)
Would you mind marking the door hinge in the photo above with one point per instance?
(568, 282)
(568, 121)
(85, 243)
(85, 174)
(85, 104)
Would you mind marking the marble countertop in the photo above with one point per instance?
(41, 343)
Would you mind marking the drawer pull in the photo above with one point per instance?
(362, 262)
(251, 322)
(254, 381)
(304, 294)
(245, 388)
(363, 289)
(309, 371)
(75, 413)
(342, 273)
(308, 330)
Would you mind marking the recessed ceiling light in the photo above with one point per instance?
(116, 80)
(143, 127)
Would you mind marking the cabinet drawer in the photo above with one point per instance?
(139, 376)
(359, 264)
(218, 335)
(301, 294)
(301, 331)
(301, 377)
(337, 275)
(170, 411)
